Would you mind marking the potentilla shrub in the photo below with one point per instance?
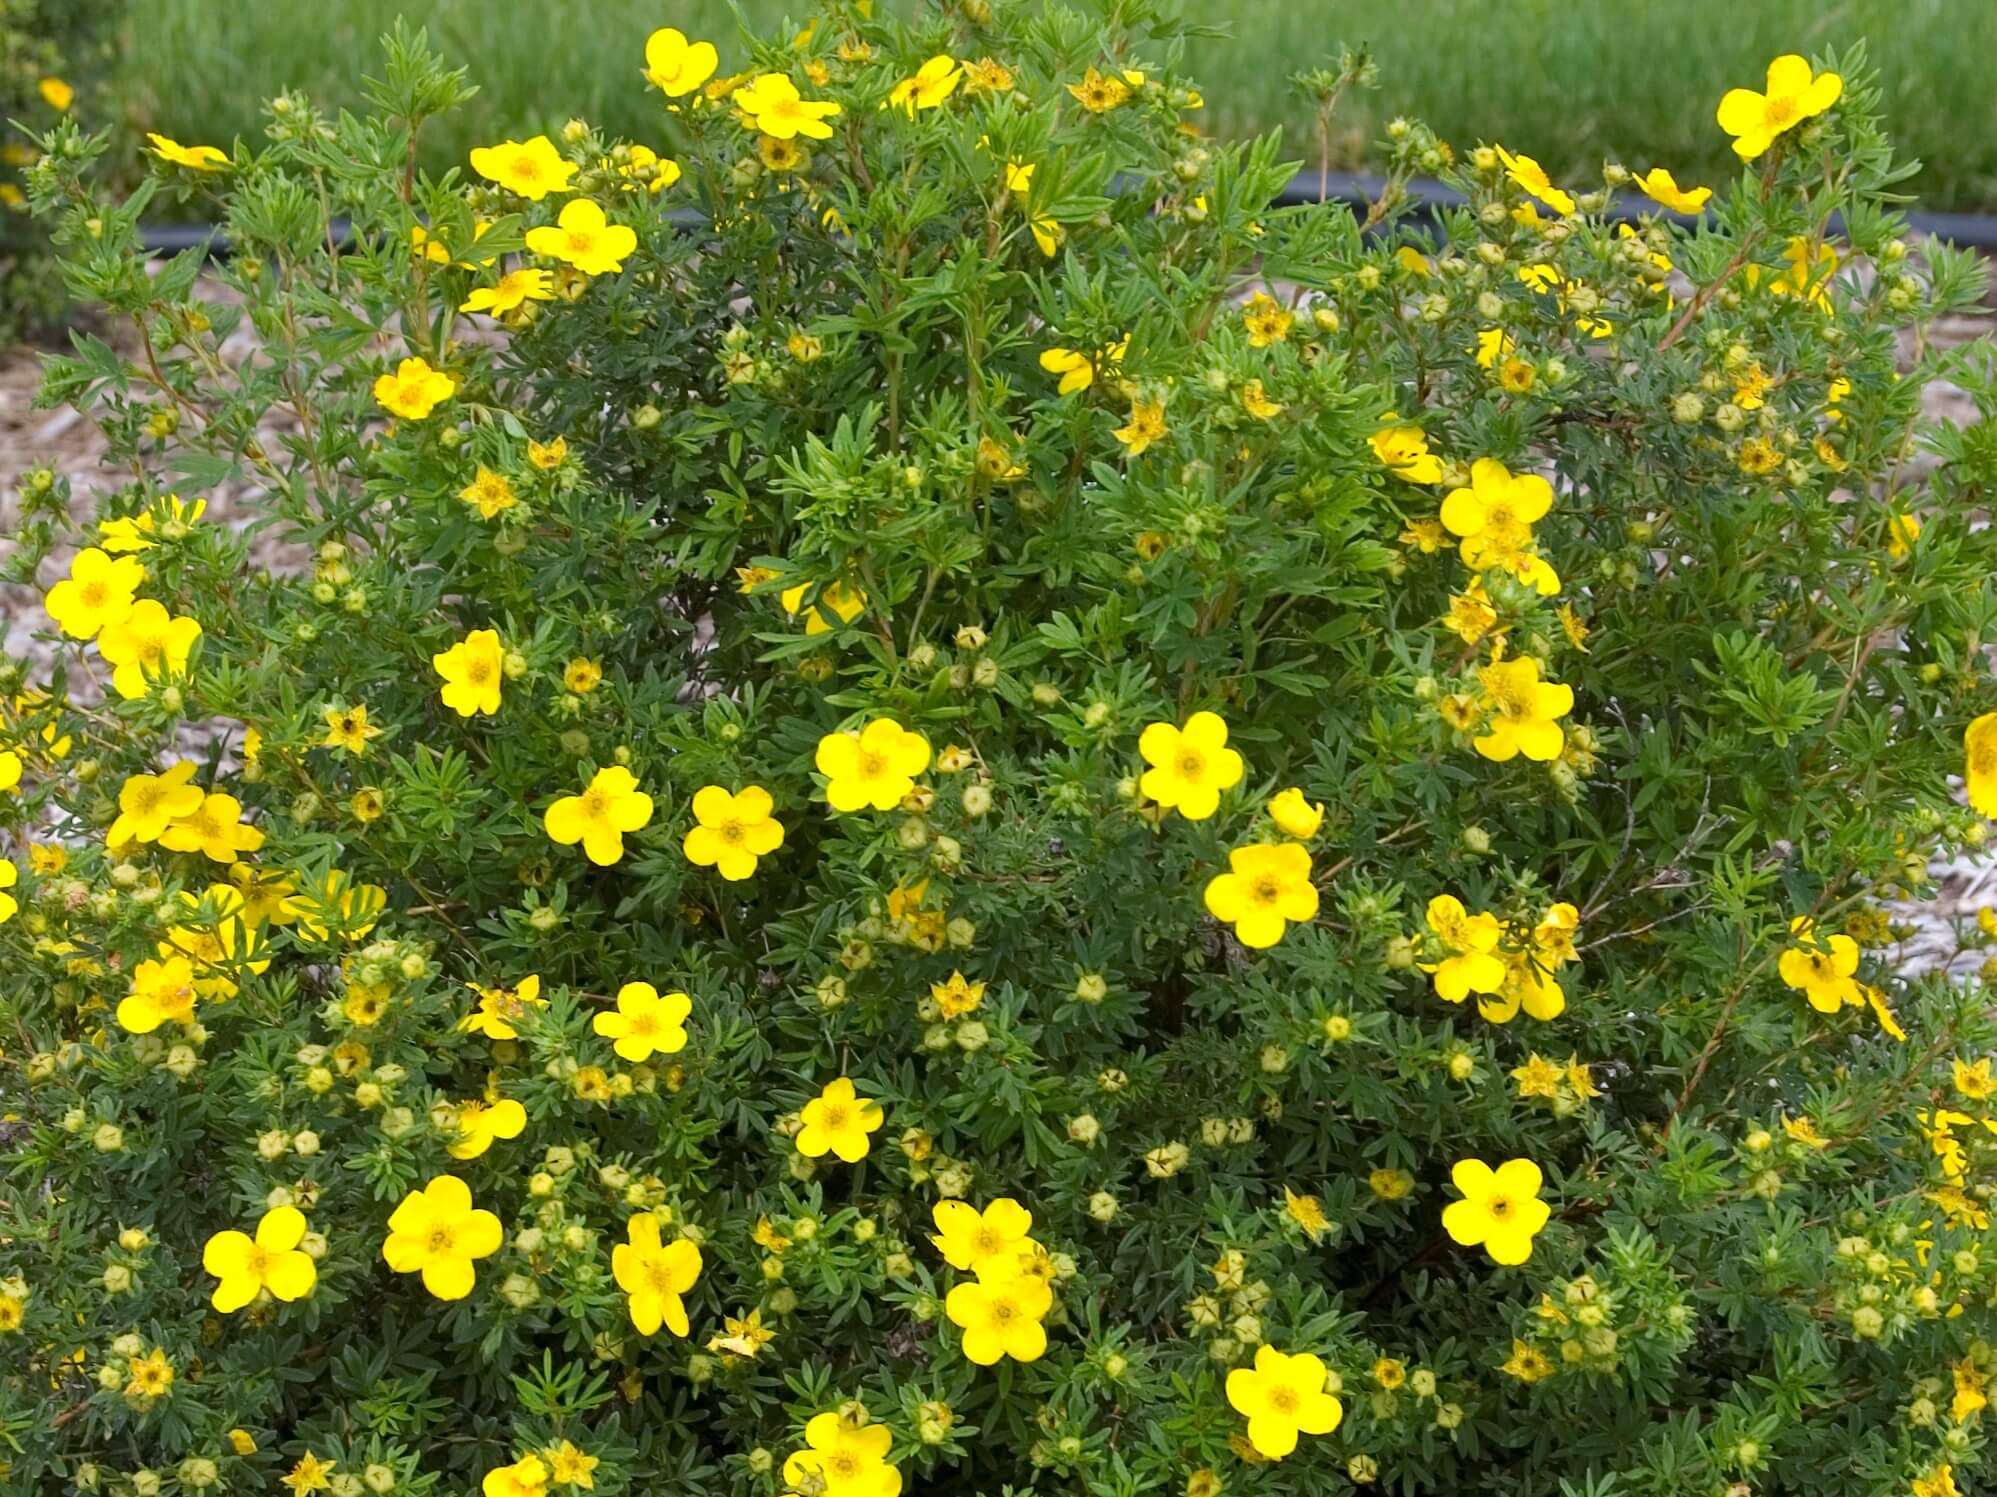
(897, 792)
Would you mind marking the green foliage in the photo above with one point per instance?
(817, 468)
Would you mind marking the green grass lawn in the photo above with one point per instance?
(1569, 81)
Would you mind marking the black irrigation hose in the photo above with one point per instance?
(1424, 201)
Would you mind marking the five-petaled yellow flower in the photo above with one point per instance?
(437, 1232)
(1979, 747)
(1469, 943)
(1403, 451)
(654, 1275)
(148, 804)
(97, 593)
(843, 1458)
(489, 493)
(271, 1260)
(611, 805)
(930, 85)
(348, 729)
(584, 238)
(472, 670)
(1820, 967)
(1794, 94)
(1146, 425)
(773, 106)
(988, 1243)
(510, 291)
(732, 831)
(479, 1122)
(676, 66)
(1524, 711)
(1662, 188)
(1283, 1395)
(1189, 766)
(645, 1023)
(837, 1121)
(1530, 175)
(530, 169)
(1500, 1210)
(147, 645)
(1001, 1317)
(414, 390)
(194, 158)
(1264, 890)
(874, 767)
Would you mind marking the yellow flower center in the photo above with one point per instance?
(1265, 889)
(1003, 1311)
(1283, 1400)
(440, 1239)
(1781, 112)
(644, 1026)
(93, 594)
(595, 805)
(871, 765)
(730, 831)
(659, 1276)
(1192, 764)
(842, 1465)
(1499, 1206)
(526, 168)
(835, 1118)
(478, 671)
(581, 242)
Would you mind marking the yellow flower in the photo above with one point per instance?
(488, 493)
(498, 1007)
(246, 1266)
(874, 767)
(138, 532)
(222, 946)
(1264, 889)
(654, 1275)
(162, 992)
(645, 1023)
(584, 238)
(514, 289)
(845, 602)
(1495, 514)
(1530, 175)
(1256, 403)
(1266, 319)
(611, 805)
(348, 729)
(1794, 94)
(1282, 1396)
(1189, 766)
(1493, 344)
(1820, 967)
(479, 1123)
(549, 455)
(843, 1457)
(773, 106)
(1001, 1317)
(309, 1475)
(1528, 1364)
(96, 594)
(526, 1477)
(676, 66)
(571, 1467)
(1471, 616)
(1470, 941)
(148, 644)
(1294, 815)
(55, 93)
(1662, 188)
(837, 1121)
(1500, 1210)
(988, 1243)
(438, 1233)
(1979, 747)
(1146, 425)
(414, 390)
(732, 831)
(1758, 455)
(1525, 711)
(471, 670)
(194, 158)
(1939, 1482)
(9, 876)
(214, 828)
(1901, 533)
(1099, 93)
(742, 1336)
(582, 675)
(531, 169)
(1077, 370)
(147, 804)
(152, 1375)
(1307, 1212)
(931, 84)
(958, 996)
(1975, 1081)
(1403, 451)
(1538, 1077)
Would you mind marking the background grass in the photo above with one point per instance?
(1570, 81)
